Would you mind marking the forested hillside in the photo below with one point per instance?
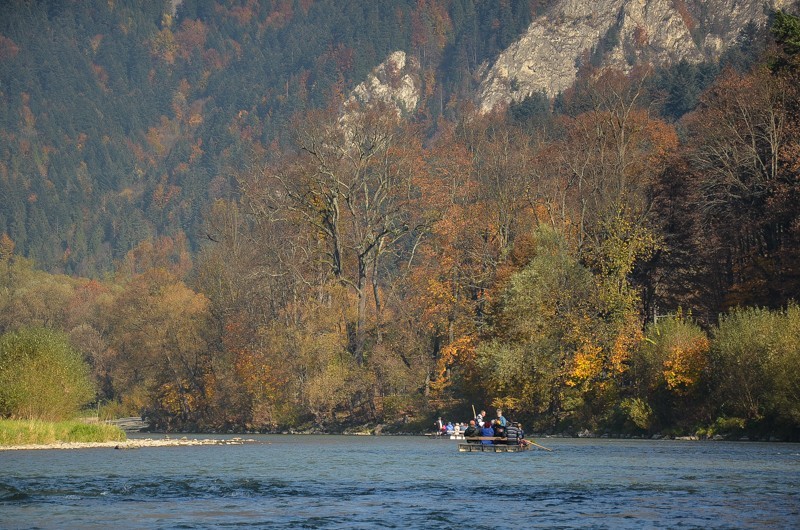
(121, 121)
(233, 243)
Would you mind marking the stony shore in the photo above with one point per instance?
(136, 443)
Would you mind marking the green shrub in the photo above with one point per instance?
(723, 427)
(638, 412)
(669, 372)
(41, 375)
(755, 356)
(783, 370)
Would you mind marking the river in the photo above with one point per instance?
(404, 482)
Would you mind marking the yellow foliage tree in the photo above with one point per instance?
(670, 365)
(686, 365)
(158, 328)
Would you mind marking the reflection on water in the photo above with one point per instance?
(402, 482)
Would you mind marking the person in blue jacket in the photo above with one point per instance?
(501, 418)
(487, 430)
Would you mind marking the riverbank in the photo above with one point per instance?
(38, 432)
(135, 443)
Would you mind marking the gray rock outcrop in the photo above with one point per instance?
(614, 33)
(395, 81)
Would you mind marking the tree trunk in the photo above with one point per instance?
(358, 347)
(377, 295)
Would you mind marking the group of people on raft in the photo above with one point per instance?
(481, 429)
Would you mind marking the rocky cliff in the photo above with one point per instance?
(606, 33)
(395, 81)
(618, 33)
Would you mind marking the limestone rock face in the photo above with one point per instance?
(614, 33)
(173, 6)
(395, 81)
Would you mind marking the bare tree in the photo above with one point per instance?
(351, 183)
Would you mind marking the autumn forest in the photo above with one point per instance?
(193, 202)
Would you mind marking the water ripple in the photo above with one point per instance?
(403, 484)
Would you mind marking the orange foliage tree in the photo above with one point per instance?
(159, 328)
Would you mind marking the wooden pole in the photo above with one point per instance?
(537, 445)
(473, 412)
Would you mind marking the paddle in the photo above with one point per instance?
(537, 445)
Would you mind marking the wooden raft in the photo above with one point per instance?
(493, 448)
(482, 448)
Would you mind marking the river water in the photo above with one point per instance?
(405, 482)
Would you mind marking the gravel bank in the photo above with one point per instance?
(130, 444)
